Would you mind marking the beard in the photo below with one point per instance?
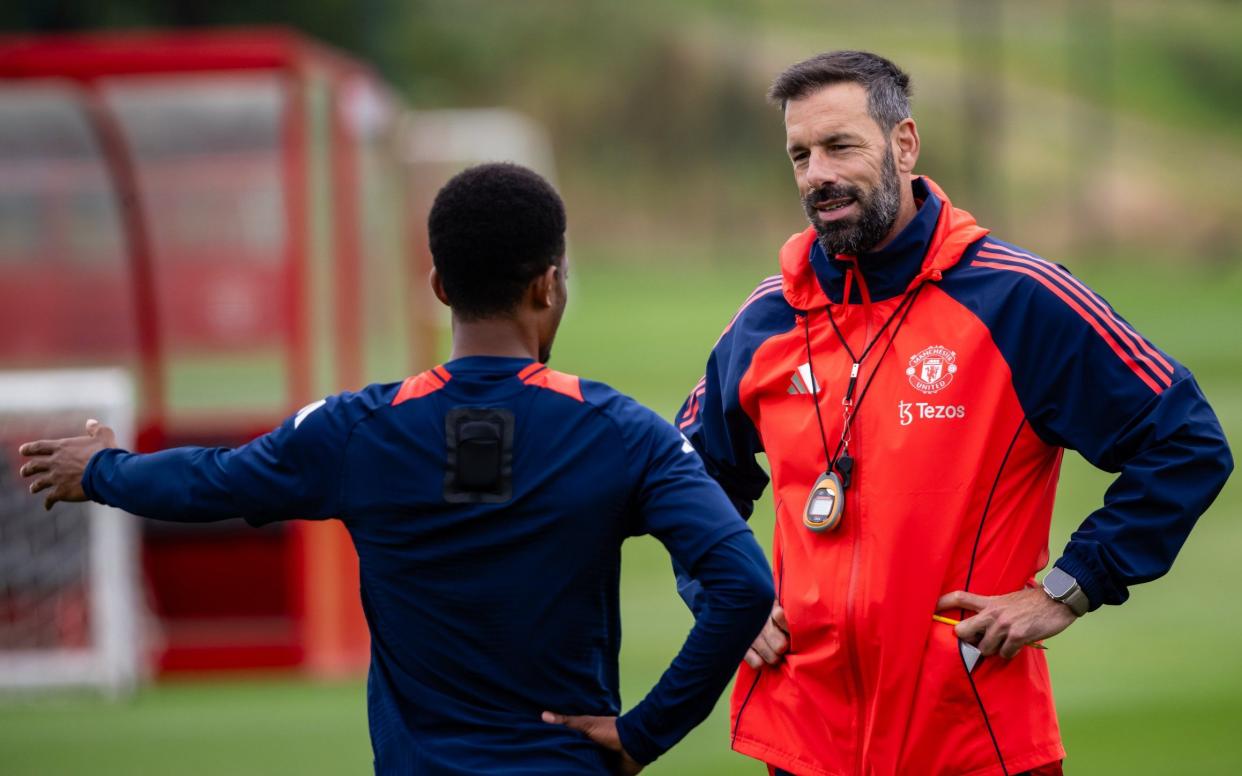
(877, 213)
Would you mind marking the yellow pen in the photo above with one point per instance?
(951, 621)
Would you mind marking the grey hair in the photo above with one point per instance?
(888, 86)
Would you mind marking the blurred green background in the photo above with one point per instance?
(1105, 135)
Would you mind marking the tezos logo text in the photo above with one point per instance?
(908, 411)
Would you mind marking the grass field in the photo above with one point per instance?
(1154, 687)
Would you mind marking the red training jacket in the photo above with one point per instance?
(997, 362)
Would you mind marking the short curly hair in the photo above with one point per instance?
(493, 229)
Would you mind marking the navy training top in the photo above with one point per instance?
(487, 607)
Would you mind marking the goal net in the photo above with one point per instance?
(69, 577)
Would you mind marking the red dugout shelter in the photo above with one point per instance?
(224, 213)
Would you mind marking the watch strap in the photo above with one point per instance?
(1060, 586)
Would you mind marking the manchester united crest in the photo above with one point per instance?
(932, 369)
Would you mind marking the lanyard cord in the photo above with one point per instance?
(819, 421)
(859, 359)
(903, 309)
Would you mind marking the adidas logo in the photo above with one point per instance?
(803, 382)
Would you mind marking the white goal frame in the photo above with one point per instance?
(113, 661)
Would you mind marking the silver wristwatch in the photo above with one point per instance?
(1061, 587)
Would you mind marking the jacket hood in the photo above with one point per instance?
(955, 230)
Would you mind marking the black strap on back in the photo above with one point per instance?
(479, 464)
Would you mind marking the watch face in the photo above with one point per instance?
(1059, 584)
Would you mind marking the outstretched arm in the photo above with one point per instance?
(292, 472)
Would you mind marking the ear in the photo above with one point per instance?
(543, 289)
(905, 139)
(437, 287)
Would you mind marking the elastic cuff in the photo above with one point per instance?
(634, 739)
(88, 474)
(1089, 580)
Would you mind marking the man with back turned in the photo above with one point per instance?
(487, 499)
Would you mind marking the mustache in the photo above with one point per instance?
(828, 193)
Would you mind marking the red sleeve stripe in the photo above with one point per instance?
(1140, 346)
(1107, 337)
(767, 286)
(1134, 343)
(763, 289)
(692, 410)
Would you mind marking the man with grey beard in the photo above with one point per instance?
(878, 210)
(914, 381)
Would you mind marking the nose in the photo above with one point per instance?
(820, 169)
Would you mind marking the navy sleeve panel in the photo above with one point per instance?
(1089, 382)
(712, 417)
(1176, 461)
(675, 500)
(292, 472)
(737, 588)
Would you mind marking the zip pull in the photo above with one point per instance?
(848, 399)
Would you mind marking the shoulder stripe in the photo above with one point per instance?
(540, 376)
(422, 384)
(1134, 343)
(692, 406)
(1090, 319)
(1138, 343)
(768, 286)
